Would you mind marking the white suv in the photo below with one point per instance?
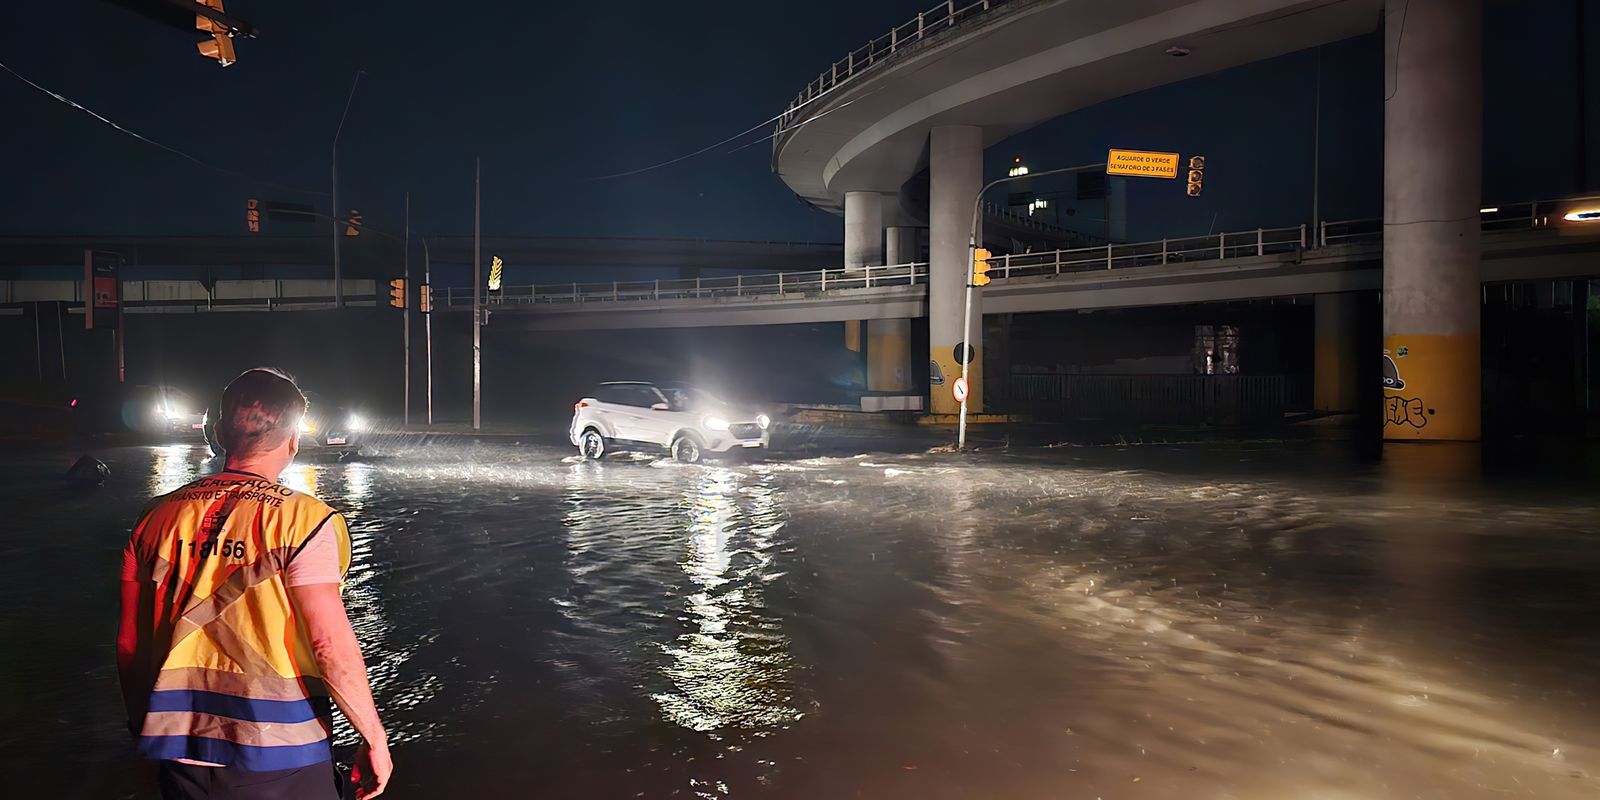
(686, 421)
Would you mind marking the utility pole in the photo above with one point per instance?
(338, 276)
(405, 321)
(477, 295)
(1316, 152)
(427, 322)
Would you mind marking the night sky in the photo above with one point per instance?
(551, 95)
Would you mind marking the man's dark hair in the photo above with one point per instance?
(260, 409)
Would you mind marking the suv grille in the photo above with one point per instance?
(745, 430)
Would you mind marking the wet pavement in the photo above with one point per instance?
(1217, 621)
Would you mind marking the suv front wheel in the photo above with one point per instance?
(685, 450)
(591, 445)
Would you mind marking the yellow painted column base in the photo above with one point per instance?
(889, 355)
(942, 373)
(1432, 388)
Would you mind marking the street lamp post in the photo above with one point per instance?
(338, 275)
(967, 351)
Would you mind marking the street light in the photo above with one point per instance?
(338, 276)
(972, 253)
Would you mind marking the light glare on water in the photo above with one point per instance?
(1173, 623)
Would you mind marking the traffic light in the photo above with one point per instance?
(353, 224)
(496, 267)
(397, 293)
(220, 45)
(980, 267)
(1197, 174)
(252, 215)
(425, 298)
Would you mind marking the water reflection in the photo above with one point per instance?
(173, 466)
(730, 670)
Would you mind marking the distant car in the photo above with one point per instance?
(325, 425)
(159, 412)
(687, 422)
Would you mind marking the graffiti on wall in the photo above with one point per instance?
(1401, 411)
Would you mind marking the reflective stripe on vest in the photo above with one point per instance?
(236, 680)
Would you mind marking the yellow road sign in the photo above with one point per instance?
(1142, 163)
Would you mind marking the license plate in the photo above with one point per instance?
(337, 440)
(197, 426)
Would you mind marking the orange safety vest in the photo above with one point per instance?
(236, 681)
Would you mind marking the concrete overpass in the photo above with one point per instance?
(380, 257)
(1247, 265)
(936, 90)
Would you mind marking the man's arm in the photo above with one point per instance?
(131, 666)
(333, 642)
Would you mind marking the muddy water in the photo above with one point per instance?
(1219, 622)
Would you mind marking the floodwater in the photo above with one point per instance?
(1245, 621)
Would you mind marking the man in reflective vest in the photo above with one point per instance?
(233, 634)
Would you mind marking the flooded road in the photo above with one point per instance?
(1149, 622)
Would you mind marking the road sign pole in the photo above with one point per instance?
(968, 352)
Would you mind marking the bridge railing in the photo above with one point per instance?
(1511, 217)
(1259, 242)
(703, 288)
(930, 22)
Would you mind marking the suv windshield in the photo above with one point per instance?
(689, 398)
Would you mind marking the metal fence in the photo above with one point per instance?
(1169, 399)
(925, 24)
(769, 284)
(1259, 242)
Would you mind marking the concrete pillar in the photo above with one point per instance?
(1432, 185)
(889, 356)
(955, 172)
(863, 229)
(1336, 369)
(900, 244)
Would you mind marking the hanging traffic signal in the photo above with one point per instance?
(980, 267)
(1197, 174)
(353, 224)
(220, 45)
(252, 215)
(397, 293)
(496, 268)
(425, 298)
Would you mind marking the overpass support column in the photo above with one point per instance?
(1336, 369)
(863, 229)
(900, 244)
(1432, 185)
(888, 341)
(955, 172)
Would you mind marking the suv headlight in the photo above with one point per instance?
(715, 423)
(305, 425)
(355, 422)
(764, 421)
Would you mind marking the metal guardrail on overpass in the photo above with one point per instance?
(925, 25)
(1190, 249)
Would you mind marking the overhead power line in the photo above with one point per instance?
(147, 140)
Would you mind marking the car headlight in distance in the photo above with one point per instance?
(305, 425)
(764, 421)
(715, 424)
(355, 422)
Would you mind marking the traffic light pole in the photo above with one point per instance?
(477, 295)
(968, 352)
(405, 322)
